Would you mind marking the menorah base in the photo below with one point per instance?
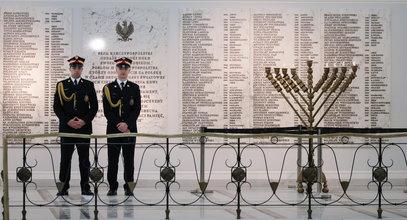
(302, 179)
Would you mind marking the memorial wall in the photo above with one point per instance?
(35, 44)
(224, 53)
(221, 57)
(141, 35)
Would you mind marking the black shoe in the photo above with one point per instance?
(111, 192)
(63, 193)
(87, 193)
(127, 192)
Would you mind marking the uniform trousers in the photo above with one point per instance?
(67, 149)
(115, 145)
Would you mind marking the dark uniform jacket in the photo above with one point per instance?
(85, 108)
(130, 109)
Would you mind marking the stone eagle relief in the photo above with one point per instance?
(124, 31)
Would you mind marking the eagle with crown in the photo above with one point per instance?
(124, 30)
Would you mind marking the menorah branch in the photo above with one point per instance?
(278, 88)
(342, 90)
(289, 85)
(333, 89)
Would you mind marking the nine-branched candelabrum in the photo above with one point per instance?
(331, 83)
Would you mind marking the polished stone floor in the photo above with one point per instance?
(132, 208)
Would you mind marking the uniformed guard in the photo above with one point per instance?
(121, 106)
(75, 104)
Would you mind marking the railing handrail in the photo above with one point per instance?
(302, 130)
(220, 135)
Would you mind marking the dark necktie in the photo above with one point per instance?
(122, 85)
(75, 82)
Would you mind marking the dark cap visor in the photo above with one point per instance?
(76, 65)
(123, 65)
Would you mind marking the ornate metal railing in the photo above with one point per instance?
(380, 161)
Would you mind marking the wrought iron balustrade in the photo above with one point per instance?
(378, 154)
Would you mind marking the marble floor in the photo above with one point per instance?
(202, 208)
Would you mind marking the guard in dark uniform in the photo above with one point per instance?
(121, 106)
(75, 104)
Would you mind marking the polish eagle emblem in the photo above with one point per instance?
(124, 30)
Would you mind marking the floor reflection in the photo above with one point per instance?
(131, 208)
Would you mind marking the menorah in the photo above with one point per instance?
(312, 97)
